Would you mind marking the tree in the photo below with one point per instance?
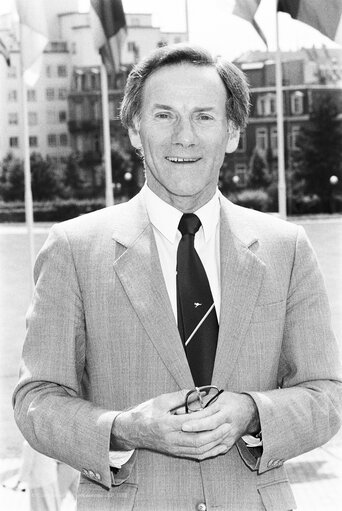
(12, 182)
(44, 179)
(319, 151)
(73, 181)
(258, 174)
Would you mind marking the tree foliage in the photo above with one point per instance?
(319, 150)
(258, 174)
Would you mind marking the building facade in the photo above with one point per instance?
(308, 76)
(64, 106)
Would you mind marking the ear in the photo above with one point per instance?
(134, 136)
(233, 140)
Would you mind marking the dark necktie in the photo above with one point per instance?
(197, 321)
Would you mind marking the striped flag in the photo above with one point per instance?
(247, 9)
(323, 15)
(34, 36)
(5, 53)
(109, 30)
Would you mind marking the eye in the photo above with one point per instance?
(204, 117)
(163, 115)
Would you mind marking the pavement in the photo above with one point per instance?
(316, 477)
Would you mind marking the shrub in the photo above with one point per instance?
(254, 199)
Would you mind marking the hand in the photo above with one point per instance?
(154, 425)
(237, 411)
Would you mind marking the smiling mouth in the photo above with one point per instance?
(181, 160)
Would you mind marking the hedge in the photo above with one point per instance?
(49, 211)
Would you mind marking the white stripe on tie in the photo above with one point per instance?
(199, 324)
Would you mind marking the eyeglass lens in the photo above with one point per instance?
(201, 397)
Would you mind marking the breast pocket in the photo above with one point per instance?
(92, 496)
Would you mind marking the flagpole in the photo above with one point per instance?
(280, 128)
(27, 165)
(106, 136)
(187, 19)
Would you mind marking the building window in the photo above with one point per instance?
(63, 139)
(12, 96)
(14, 142)
(242, 143)
(297, 103)
(32, 118)
(80, 81)
(266, 105)
(240, 170)
(48, 71)
(79, 111)
(293, 137)
(12, 72)
(31, 95)
(131, 46)
(62, 116)
(261, 105)
(274, 139)
(62, 93)
(50, 94)
(33, 141)
(272, 104)
(52, 140)
(94, 81)
(13, 118)
(261, 138)
(62, 71)
(135, 22)
(177, 40)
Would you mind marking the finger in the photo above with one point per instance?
(204, 423)
(201, 440)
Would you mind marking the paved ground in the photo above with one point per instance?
(316, 477)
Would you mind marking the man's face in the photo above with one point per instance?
(184, 132)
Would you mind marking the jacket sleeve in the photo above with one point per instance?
(49, 404)
(304, 411)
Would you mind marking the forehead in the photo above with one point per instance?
(185, 83)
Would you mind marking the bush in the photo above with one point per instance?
(254, 199)
(49, 211)
(307, 204)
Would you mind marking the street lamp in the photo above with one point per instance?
(333, 180)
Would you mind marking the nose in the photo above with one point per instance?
(184, 133)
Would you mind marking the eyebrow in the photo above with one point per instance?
(197, 109)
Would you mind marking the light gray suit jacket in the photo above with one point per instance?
(102, 337)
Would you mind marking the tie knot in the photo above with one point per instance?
(189, 224)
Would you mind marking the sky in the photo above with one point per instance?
(211, 24)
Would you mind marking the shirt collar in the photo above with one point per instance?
(166, 218)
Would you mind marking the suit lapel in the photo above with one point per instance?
(241, 277)
(140, 273)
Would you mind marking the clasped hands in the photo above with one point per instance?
(161, 424)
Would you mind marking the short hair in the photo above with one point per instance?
(234, 80)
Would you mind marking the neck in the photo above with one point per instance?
(184, 203)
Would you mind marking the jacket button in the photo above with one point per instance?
(98, 476)
(91, 474)
(201, 507)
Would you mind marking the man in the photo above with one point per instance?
(107, 376)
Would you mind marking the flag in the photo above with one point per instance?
(109, 30)
(247, 9)
(325, 16)
(34, 36)
(5, 53)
